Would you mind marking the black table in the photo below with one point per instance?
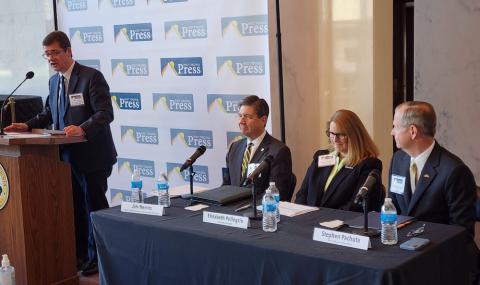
(26, 107)
(180, 249)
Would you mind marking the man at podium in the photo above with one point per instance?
(79, 103)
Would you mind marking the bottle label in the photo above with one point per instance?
(277, 197)
(136, 184)
(388, 218)
(162, 186)
(270, 207)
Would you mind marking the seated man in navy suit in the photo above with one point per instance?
(252, 150)
(427, 181)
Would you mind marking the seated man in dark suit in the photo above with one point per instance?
(427, 181)
(252, 150)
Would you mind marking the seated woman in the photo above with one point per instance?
(334, 177)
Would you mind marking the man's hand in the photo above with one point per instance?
(17, 127)
(74, 131)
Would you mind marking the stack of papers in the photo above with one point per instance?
(291, 209)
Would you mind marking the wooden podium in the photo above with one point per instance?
(36, 223)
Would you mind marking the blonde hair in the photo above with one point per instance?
(360, 144)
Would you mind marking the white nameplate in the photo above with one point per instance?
(140, 208)
(226, 220)
(343, 239)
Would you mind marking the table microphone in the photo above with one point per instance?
(29, 75)
(372, 178)
(265, 164)
(199, 152)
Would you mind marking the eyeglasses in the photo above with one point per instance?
(52, 53)
(416, 232)
(340, 136)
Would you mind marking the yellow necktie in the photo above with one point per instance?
(246, 159)
(413, 176)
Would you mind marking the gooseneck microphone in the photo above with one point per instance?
(372, 178)
(29, 75)
(191, 160)
(262, 166)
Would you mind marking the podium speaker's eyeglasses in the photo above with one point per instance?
(52, 53)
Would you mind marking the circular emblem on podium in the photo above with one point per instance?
(4, 187)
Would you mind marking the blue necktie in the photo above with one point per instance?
(61, 103)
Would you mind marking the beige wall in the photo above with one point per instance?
(336, 55)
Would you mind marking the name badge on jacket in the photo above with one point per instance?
(326, 160)
(397, 184)
(76, 99)
(252, 167)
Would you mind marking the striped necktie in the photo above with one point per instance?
(246, 159)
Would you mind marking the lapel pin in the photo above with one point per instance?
(262, 149)
(426, 175)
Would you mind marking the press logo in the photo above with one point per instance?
(190, 29)
(146, 167)
(127, 101)
(119, 195)
(119, 3)
(74, 5)
(241, 65)
(173, 102)
(233, 137)
(192, 138)
(93, 63)
(133, 32)
(130, 67)
(227, 103)
(142, 135)
(201, 173)
(246, 25)
(182, 66)
(87, 35)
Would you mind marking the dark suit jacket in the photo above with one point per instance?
(280, 170)
(343, 188)
(445, 191)
(94, 117)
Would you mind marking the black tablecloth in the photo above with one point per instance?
(180, 249)
(26, 107)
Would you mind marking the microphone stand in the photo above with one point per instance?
(254, 215)
(366, 231)
(192, 173)
(2, 133)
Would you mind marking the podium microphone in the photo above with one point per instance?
(372, 178)
(191, 160)
(29, 75)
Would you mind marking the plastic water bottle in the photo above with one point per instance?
(162, 188)
(7, 272)
(269, 212)
(136, 186)
(388, 218)
(276, 196)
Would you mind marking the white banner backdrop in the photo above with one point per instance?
(177, 70)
